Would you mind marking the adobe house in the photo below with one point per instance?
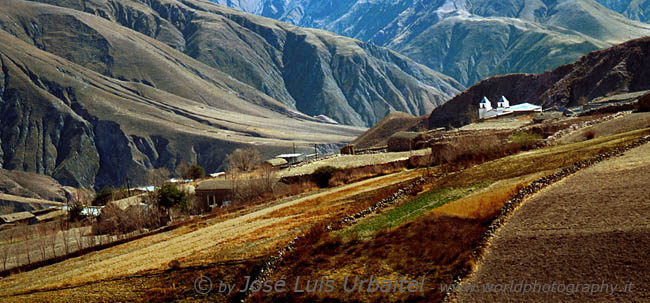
(24, 217)
(402, 141)
(292, 158)
(275, 163)
(213, 193)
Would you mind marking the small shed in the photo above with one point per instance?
(275, 163)
(402, 141)
(24, 217)
(213, 193)
(348, 150)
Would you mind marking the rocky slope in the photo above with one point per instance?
(311, 71)
(96, 93)
(619, 69)
(467, 39)
(633, 9)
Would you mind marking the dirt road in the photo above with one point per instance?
(584, 239)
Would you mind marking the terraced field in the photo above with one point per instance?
(592, 228)
(246, 237)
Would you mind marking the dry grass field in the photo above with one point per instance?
(616, 126)
(591, 227)
(246, 237)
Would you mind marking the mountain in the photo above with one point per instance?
(314, 72)
(619, 69)
(633, 9)
(97, 93)
(466, 39)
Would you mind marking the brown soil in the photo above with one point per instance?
(589, 228)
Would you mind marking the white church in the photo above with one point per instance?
(486, 111)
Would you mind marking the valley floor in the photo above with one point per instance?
(592, 228)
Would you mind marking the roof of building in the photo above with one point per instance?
(51, 215)
(525, 107)
(276, 161)
(485, 100)
(289, 156)
(214, 185)
(10, 218)
(504, 99)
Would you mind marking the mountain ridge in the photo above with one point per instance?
(405, 26)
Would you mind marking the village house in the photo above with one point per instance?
(213, 193)
(275, 163)
(24, 217)
(292, 158)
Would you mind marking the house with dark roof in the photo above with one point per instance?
(213, 193)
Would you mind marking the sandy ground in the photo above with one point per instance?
(251, 233)
(591, 228)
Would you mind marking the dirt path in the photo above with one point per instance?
(154, 253)
(587, 234)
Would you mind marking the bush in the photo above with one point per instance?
(590, 134)
(75, 211)
(103, 196)
(323, 175)
(194, 172)
(169, 196)
(113, 220)
(525, 139)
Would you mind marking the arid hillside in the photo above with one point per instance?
(95, 92)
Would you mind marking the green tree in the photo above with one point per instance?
(103, 196)
(195, 171)
(169, 196)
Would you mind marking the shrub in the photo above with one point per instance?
(323, 174)
(169, 196)
(590, 134)
(525, 139)
(75, 211)
(195, 171)
(103, 196)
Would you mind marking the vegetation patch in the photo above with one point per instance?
(411, 209)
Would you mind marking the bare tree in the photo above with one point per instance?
(42, 238)
(244, 159)
(26, 247)
(5, 248)
(64, 234)
(157, 177)
(181, 169)
(268, 179)
(78, 235)
(52, 237)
